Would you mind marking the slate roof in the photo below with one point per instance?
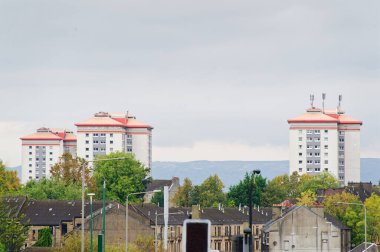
(14, 203)
(216, 216)
(53, 212)
(158, 184)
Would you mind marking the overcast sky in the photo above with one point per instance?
(217, 79)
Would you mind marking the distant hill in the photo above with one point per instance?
(17, 169)
(231, 172)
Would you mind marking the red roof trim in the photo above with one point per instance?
(311, 127)
(98, 125)
(311, 121)
(37, 138)
(40, 144)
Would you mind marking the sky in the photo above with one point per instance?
(217, 79)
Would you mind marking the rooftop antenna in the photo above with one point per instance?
(340, 100)
(312, 100)
(323, 102)
(127, 115)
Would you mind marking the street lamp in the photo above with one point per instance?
(83, 192)
(254, 172)
(127, 214)
(365, 219)
(91, 220)
(155, 228)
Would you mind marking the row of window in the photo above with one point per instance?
(42, 147)
(313, 161)
(43, 159)
(312, 169)
(99, 134)
(97, 142)
(43, 153)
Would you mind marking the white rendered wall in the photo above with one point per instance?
(294, 150)
(333, 151)
(25, 163)
(352, 156)
(140, 147)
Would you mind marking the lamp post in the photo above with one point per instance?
(155, 228)
(250, 191)
(365, 219)
(127, 214)
(91, 220)
(83, 203)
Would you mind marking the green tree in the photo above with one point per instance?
(349, 215)
(373, 217)
(322, 180)
(211, 192)
(183, 196)
(12, 233)
(195, 195)
(158, 198)
(69, 170)
(123, 175)
(44, 238)
(239, 193)
(51, 189)
(9, 182)
(277, 190)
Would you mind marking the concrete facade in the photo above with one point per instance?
(41, 150)
(305, 229)
(325, 140)
(109, 132)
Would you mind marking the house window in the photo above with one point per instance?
(37, 147)
(300, 146)
(317, 139)
(300, 161)
(326, 147)
(309, 139)
(87, 142)
(326, 161)
(129, 136)
(111, 142)
(30, 165)
(30, 159)
(309, 147)
(326, 154)
(96, 134)
(317, 154)
(30, 153)
(317, 131)
(87, 149)
(309, 161)
(111, 135)
(326, 169)
(300, 154)
(309, 132)
(326, 138)
(111, 149)
(30, 171)
(30, 147)
(317, 162)
(96, 141)
(316, 147)
(300, 139)
(326, 131)
(50, 159)
(50, 153)
(299, 169)
(341, 140)
(103, 134)
(87, 135)
(87, 156)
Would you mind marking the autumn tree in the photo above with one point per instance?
(183, 197)
(123, 175)
(239, 193)
(348, 214)
(307, 198)
(211, 192)
(69, 170)
(373, 217)
(9, 182)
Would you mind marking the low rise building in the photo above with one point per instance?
(305, 229)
